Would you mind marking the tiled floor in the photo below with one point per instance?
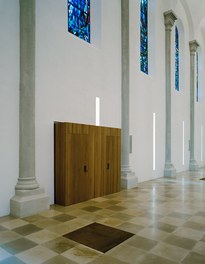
(166, 215)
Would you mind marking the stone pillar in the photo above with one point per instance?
(128, 179)
(169, 19)
(193, 45)
(29, 197)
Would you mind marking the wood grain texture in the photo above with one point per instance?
(87, 162)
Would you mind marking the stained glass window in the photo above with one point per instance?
(144, 36)
(176, 59)
(197, 76)
(79, 18)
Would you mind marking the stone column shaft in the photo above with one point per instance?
(125, 86)
(128, 178)
(169, 19)
(29, 198)
(168, 94)
(193, 45)
(27, 180)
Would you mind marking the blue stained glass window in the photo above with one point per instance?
(79, 18)
(197, 76)
(144, 36)
(176, 59)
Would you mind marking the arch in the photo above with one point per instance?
(189, 18)
(201, 26)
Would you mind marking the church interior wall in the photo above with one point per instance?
(9, 101)
(71, 73)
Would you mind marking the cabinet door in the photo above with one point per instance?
(112, 165)
(80, 186)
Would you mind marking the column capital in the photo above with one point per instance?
(193, 45)
(169, 19)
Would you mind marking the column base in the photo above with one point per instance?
(128, 180)
(169, 170)
(193, 165)
(29, 202)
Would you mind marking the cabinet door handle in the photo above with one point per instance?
(85, 168)
(108, 166)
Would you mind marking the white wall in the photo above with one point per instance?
(9, 93)
(200, 105)
(147, 94)
(70, 73)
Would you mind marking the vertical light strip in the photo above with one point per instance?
(154, 143)
(202, 132)
(183, 142)
(97, 111)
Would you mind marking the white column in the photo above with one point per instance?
(169, 19)
(128, 179)
(193, 45)
(29, 197)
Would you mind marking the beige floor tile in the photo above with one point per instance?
(59, 260)
(50, 213)
(144, 221)
(4, 254)
(100, 199)
(107, 260)
(60, 244)
(14, 223)
(126, 253)
(77, 212)
(69, 226)
(142, 242)
(36, 255)
(188, 233)
(111, 221)
(104, 213)
(153, 233)
(92, 217)
(42, 236)
(199, 248)
(169, 251)
(81, 254)
(34, 218)
(104, 204)
(47, 222)
(195, 226)
(200, 213)
(173, 221)
(182, 242)
(123, 216)
(154, 259)
(134, 212)
(194, 258)
(129, 227)
(7, 236)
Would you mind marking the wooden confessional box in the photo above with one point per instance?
(87, 161)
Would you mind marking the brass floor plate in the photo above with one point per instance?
(99, 237)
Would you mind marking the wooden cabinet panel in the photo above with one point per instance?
(80, 169)
(87, 162)
(112, 164)
(111, 160)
